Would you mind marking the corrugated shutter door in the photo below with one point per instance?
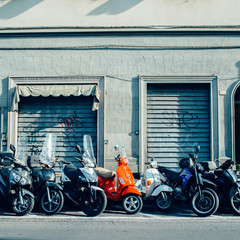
(68, 117)
(178, 120)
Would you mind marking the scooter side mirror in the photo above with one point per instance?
(198, 149)
(78, 149)
(116, 148)
(13, 149)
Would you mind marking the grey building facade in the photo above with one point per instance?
(159, 88)
(161, 93)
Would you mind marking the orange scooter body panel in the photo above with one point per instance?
(125, 183)
(130, 190)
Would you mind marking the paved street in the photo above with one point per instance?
(116, 224)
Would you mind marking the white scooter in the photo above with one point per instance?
(153, 188)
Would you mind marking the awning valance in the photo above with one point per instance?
(56, 91)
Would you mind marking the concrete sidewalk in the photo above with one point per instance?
(115, 211)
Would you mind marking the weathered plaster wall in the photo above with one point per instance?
(25, 13)
(122, 68)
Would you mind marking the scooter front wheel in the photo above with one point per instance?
(206, 203)
(92, 207)
(163, 202)
(55, 204)
(132, 203)
(234, 197)
(25, 207)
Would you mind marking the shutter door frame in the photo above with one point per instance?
(144, 81)
(13, 82)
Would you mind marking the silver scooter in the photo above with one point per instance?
(153, 189)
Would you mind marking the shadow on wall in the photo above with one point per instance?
(114, 7)
(14, 8)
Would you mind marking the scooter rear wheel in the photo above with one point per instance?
(132, 203)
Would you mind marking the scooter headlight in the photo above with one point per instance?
(121, 181)
(23, 181)
(19, 179)
(16, 177)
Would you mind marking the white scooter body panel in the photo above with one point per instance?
(161, 188)
(154, 177)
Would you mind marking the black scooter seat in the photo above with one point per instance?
(209, 176)
(172, 174)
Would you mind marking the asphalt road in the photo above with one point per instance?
(114, 224)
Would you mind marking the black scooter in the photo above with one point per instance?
(80, 184)
(228, 185)
(15, 183)
(48, 193)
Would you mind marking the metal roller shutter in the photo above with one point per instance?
(68, 117)
(178, 119)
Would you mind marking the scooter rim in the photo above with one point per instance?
(138, 199)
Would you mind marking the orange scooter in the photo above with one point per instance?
(125, 191)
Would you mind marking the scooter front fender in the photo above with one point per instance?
(26, 192)
(161, 188)
(54, 185)
(130, 189)
(208, 183)
(96, 188)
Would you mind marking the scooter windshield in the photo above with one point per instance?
(22, 154)
(123, 152)
(47, 155)
(88, 154)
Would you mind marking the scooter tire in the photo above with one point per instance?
(95, 208)
(52, 208)
(132, 203)
(234, 199)
(23, 209)
(163, 202)
(206, 206)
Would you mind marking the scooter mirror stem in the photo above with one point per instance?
(13, 149)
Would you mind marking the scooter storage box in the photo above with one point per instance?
(4, 161)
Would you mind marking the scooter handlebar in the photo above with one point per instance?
(117, 158)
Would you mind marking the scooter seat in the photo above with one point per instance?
(172, 174)
(105, 173)
(209, 176)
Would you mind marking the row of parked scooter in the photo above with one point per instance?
(23, 184)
